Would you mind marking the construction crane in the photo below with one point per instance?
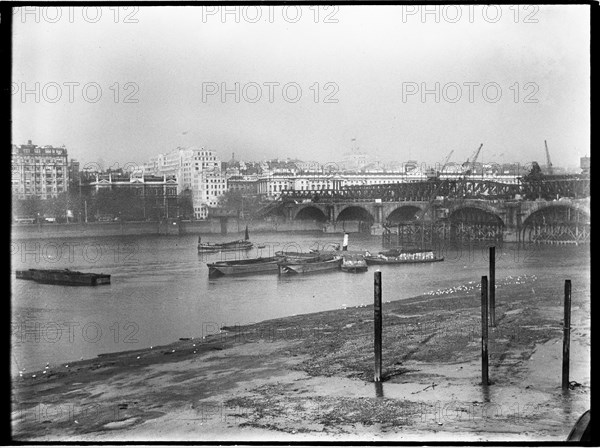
(446, 161)
(437, 189)
(441, 183)
(470, 166)
(433, 174)
(548, 161)
(421, 215)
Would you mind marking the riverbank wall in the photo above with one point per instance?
(165, 227)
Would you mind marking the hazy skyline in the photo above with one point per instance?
(371, 61)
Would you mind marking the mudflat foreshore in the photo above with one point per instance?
(310, 377)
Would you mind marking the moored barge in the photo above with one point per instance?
(231, 246)
(396, 256)
(261, 265)
(319, 264)
(354, 263)
(64, 277)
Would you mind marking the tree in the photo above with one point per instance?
(29, 207)
(185, 203)
(232, 199)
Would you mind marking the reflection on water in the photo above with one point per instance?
(485, 392)
(379, 389)
(160, 289)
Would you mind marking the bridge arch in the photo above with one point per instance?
(403, 213)
(557, 223)
(475, 214)
(476, 210)
(311, 212)
(354, 213)
(475, 223)
(539, 206)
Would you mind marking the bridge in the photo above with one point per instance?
(553, 209)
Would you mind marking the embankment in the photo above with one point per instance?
(165, 227)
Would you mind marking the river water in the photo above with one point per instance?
(160, 290)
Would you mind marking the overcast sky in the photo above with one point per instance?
(370, 64)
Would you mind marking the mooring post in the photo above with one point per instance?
(566, 336)
(492, 286)
(484, 331)
(377, 325)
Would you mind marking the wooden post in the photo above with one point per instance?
(492, 286)
(377, 325)
(484, 331)
(566, 336)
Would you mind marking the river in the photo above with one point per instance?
(160, 290)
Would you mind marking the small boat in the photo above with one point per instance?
(399, 256)
(231, 246)
(319, 264)
(354, 263)
(64, 277)
(261, 265)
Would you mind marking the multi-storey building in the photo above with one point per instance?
(584, 164)
(209, 186)
(247, 185)
(150, 166)
(196, 169)
(74, 176)
(271, 185)
(39, 171)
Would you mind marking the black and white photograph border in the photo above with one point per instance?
(299, 222)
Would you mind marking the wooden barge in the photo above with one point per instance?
(354, 263)
(319, 264)
(64, 277)
(396, 256)
(260, 265)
